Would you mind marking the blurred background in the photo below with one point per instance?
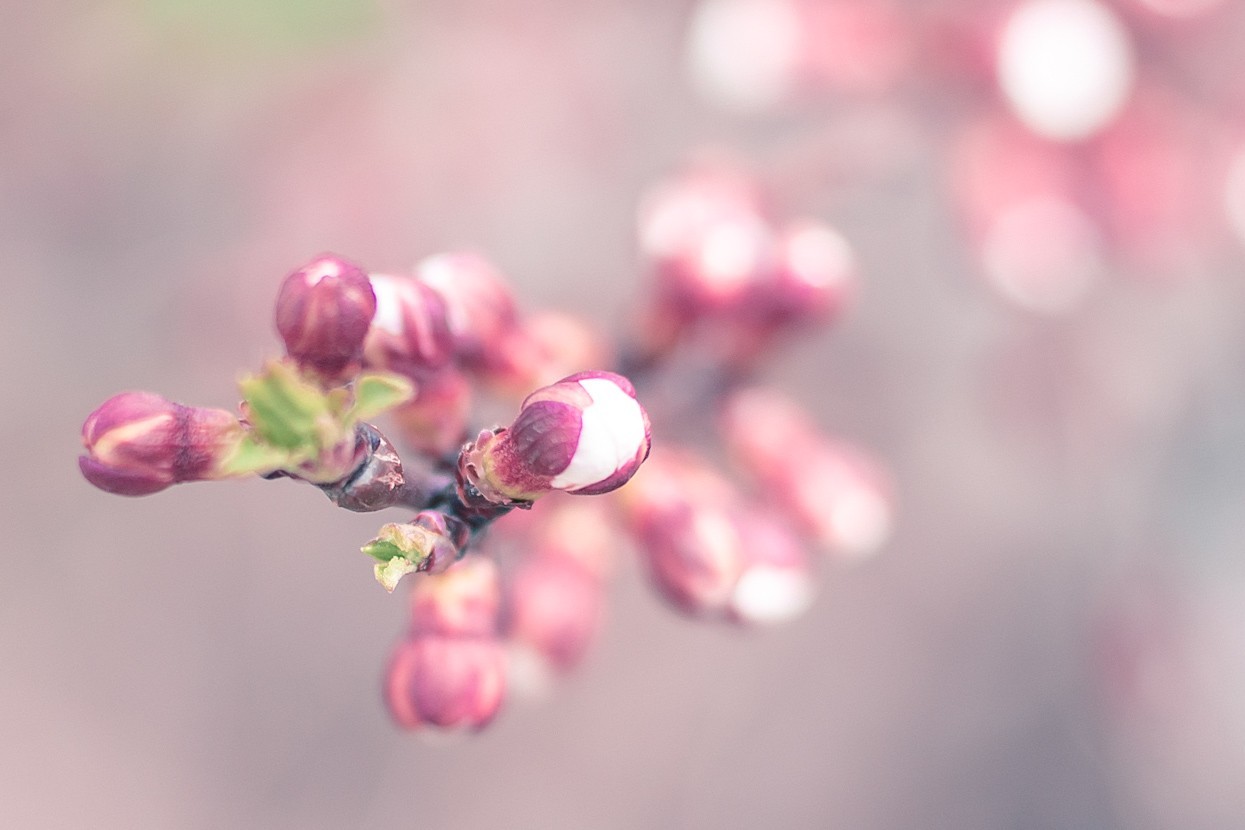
(1046, 199)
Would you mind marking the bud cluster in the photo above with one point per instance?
(720, 258)
(501, 592)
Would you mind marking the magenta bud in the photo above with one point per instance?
(680, 515)
(694, 556)
(323, 313)
(776, 582)
(812, 279)
(410, 332)
(837, 494)
(480, 306)
(139, 443)
(461, 601)
(445, 681)
(709, 241)
(586, 434)
(553, 609)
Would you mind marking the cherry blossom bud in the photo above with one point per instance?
(554, 597)
(694, 557)
(462, 601)
(814, 276)
(139, 443)
(553, 609)
(480, 307)
(586, 434)
(410, 332)
(542, 348)
(679, 513)
(776, 582)
(708, 238)
(323, 313)
(836, 493)
(436, 421)
(445, 681)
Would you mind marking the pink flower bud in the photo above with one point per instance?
(814, 276)
(776, 582)
(553, 609)
(445, 681)
(542, 348)
(694, 557)
(708, 239)
(835, 492)
(679, 513)
(480, 307)
(586, 434)
(410, 332)
(323, 313)
(139, 443)
(462, 601)
(436, 421)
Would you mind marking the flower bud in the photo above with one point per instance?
(543, 347)
(586, 434)
(410, 332)
(445, 681)
(812, 279)
(479, 305)
(323, 313)
(708, 239)
(553, 609)
(462, 601)
(679, 513)
(554, 596)
(139, 443)
(836, 493)
(776, 581)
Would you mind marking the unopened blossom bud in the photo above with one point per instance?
(814, 275)
(139, 443)
(842, 498)
(680, 515)
(462, 601)
(553, 609)
(410, 332)
(776, 582)
(708, 239)
(761, 427)
(430, 543)
(445, 681)
(436, 421)
(693, 556)
(586, 434)
(543, 347)
(554, 595)
(323, 313)
(836, 493)
(480, 306)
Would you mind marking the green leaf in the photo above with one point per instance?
(285, 409)
(378, 392)
(252, 455)
(383, 550)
